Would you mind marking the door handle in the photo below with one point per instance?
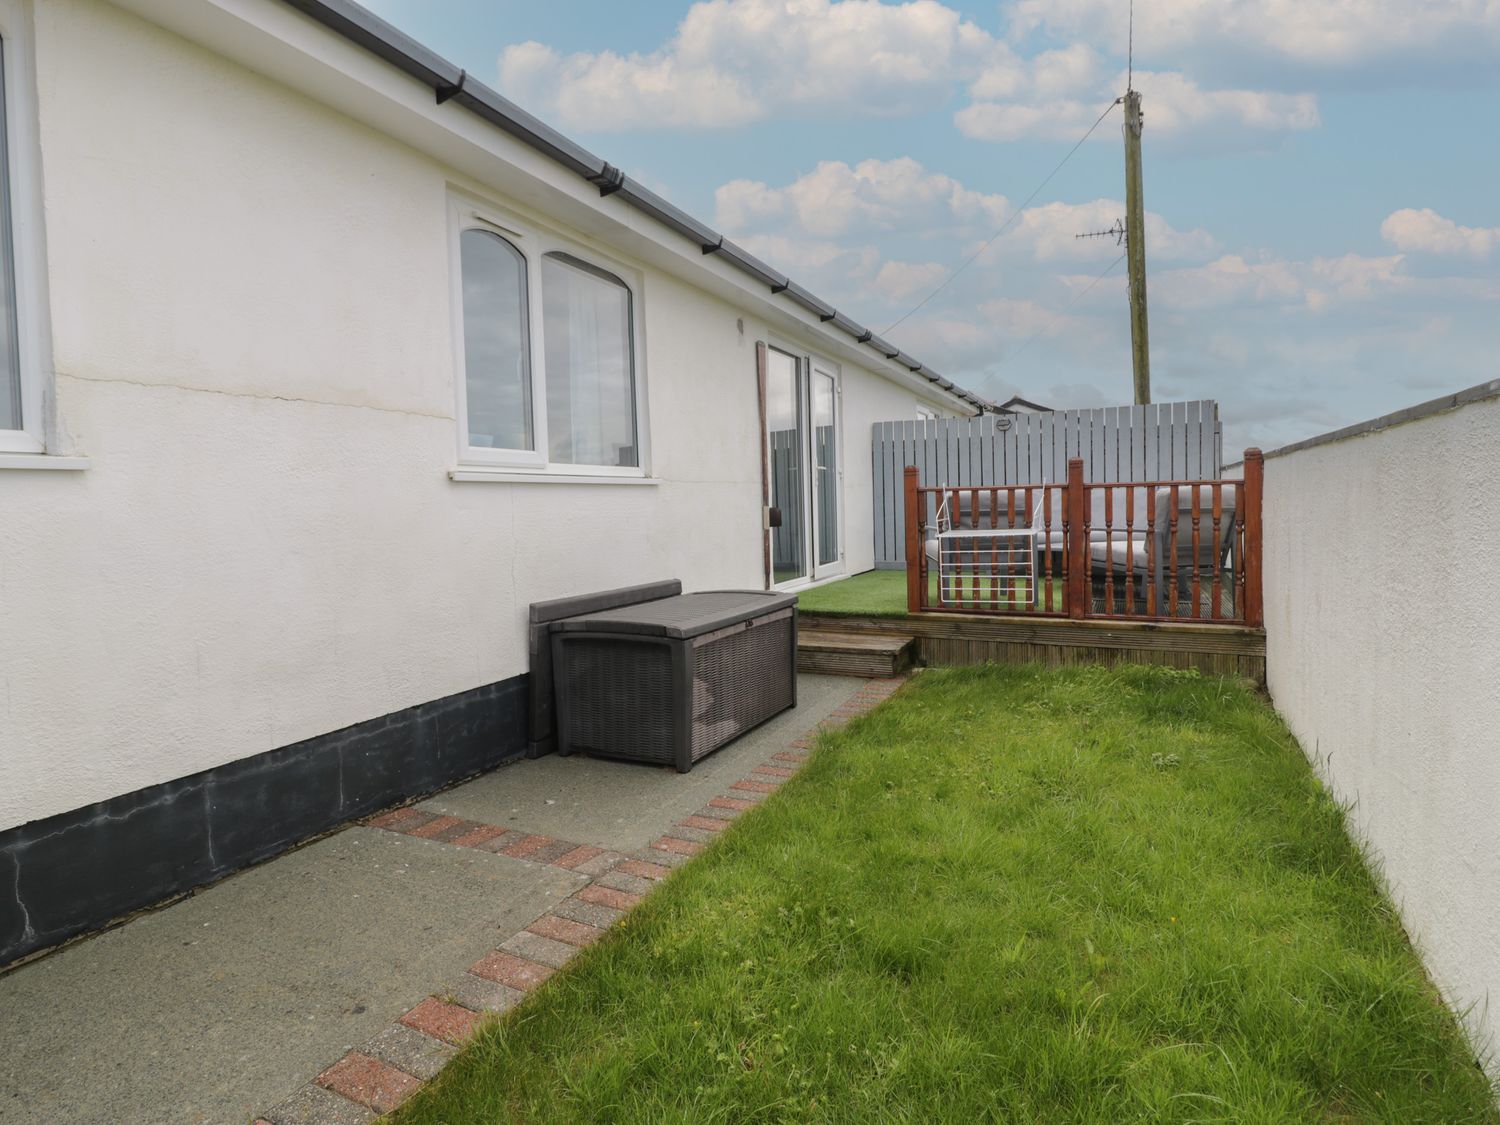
(773, 518)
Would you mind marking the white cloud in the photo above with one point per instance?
(1013, 121)
(1316, 284)
(1305, 34)
(1049, 74)
(1177, 104)
(901, 196)
(734, 62)
(901, 281)
(608, 91)
(1174, 105)
(1427, 232)
(1022, 319)
(847, 232)
(816, 260)
(738, 62)
(873, 195)
(1051, 233)
(1287, 345)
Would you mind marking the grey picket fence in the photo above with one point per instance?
(1160, 442)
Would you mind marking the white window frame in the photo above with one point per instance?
(534, 242)
(23, 167)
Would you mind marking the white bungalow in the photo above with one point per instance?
(320, 361)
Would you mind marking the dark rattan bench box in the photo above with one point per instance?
(672, 680)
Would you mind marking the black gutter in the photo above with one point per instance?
(643, 199)
(451, 83)
(503, 113)
(363, 27)
(748, 263)
(812, 304)
(849, 327)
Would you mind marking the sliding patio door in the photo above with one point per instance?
(804, 455)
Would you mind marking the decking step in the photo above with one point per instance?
(853, 654)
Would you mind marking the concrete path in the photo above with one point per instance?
(624, 806)
(229, 1002)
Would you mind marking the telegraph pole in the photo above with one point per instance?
(1135, 249)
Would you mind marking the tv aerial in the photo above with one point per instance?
(1117, 232)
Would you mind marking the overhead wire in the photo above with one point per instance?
(969, 261)
(1015, 355)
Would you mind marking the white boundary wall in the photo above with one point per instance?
(1382, 597)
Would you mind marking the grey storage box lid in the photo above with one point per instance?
(683, 616)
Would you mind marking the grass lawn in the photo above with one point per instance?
(877, 593)
(1006, 895)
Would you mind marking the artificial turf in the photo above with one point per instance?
(882, 593)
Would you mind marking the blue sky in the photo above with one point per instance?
(1324, 234)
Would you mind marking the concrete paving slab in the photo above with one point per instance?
(408, 1049)
(226, 1003)
(625, 805)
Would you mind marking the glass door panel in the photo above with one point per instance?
(786, 437)
(826, 471)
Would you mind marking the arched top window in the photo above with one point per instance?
(590, 364)
(497, 343)
(549, 381)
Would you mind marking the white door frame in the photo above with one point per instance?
(816, 368)
(808, 368)
(799, 379)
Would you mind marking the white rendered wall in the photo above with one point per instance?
(252, 339)
(1382, 557)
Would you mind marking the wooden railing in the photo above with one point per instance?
(1175, 550)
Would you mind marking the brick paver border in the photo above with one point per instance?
(379, 1076)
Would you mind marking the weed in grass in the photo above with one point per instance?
(1008, 894)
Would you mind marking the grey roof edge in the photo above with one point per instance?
(815, 305)
(363, 27)
(367, 30)
(500, 111)
(644, 199)
(749, 263)
(850, 327)
(1477, 393)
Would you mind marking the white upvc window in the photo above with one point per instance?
(548, 344)
(23, 331)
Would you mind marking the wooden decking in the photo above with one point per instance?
(956, 639)
(828, 648)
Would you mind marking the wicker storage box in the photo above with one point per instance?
(672, 680)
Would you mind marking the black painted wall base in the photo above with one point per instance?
(77, 871)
